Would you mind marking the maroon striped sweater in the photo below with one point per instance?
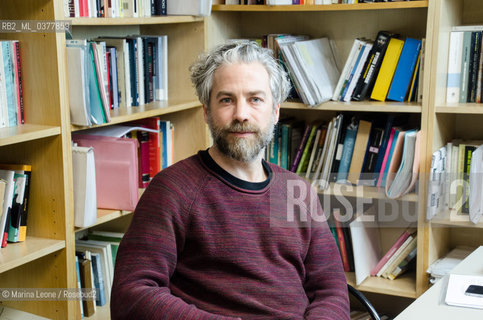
(201, 245)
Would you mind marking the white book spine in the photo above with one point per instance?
(454, 67)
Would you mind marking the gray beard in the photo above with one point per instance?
(241, 149)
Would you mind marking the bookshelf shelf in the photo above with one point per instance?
(403, 286)
(452, 219)
(461, 109)
(17, 254)
(363, 106)
(106, 215)
(26, 132)
(152, 109)
(336, 189)
(332, 7)
(132, 21)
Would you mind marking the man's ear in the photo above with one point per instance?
(277, 112)
(205, 113)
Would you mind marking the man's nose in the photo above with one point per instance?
(242, 110)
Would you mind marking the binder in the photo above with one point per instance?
(85, 206)
(116, 166)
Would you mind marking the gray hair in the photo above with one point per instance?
(204, 68)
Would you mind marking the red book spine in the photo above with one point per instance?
(342, 246)
(389, 254)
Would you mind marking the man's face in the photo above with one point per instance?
(241, 115)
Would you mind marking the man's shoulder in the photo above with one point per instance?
(186, 172)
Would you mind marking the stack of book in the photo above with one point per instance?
(384, 69)
(465, 65)
(15, 183)
(114, 9)
(112, 72)
(456, 177)
(11, 96)
(95, 258)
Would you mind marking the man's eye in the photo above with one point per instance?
(225, 100)
(256, 100)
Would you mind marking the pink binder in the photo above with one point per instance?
(116, 165)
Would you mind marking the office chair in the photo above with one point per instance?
(364, 301)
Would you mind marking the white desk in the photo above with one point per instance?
(431, 305)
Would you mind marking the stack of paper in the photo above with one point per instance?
(443, 266)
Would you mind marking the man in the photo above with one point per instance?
(214, 236)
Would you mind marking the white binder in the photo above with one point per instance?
(85, 200)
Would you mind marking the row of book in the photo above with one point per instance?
(302, 2)
(380, 152)
(384, 69)
(465, 65)
(95, 259)
(111, 164)
(15, 180)
(11, 96)
(134, 8)
(361, 252)
(455, 181)
(112, 73)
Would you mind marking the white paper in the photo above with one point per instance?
(457, 285)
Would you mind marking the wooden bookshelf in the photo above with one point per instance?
(132, 21)
(402, 286)
(461, 109)
(451, 218)
(153, 109)
(363, 106)
(17, 254)
(26, 132)
(332, 7)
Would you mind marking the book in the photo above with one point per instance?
(360, 146)
(300, 148)
(19, 220)
(404, 70)
(371, 67)
(84, 185)
(465, 65)
(98, 279)
(347, 152)
(387, 70)
(87, 282)
(454, 66)
(396, 253)
(8, 177)
(400, 240)
(404, 253)
(357, 46)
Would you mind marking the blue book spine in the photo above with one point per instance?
(98, 279)
(391, 152)
(351, 76)
(96, 108)
(10, 83)
(345, 161)
(404, 70)
(164, 127)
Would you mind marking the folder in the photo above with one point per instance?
(85, 205)
(116, 166)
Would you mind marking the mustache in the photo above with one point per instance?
(241, 127)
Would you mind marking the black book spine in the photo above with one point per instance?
(474, 64)
(371, 67)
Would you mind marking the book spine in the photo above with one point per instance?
(390, 253)
(22, 232)
(300, 148)
(143, 156)
(305, 153)
(474, 65)
(345, 161)
(465, 65)
(342, 246)
(371, 67)
(454, 67)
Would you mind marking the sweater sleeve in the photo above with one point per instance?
(325, 284)
(147, 257)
